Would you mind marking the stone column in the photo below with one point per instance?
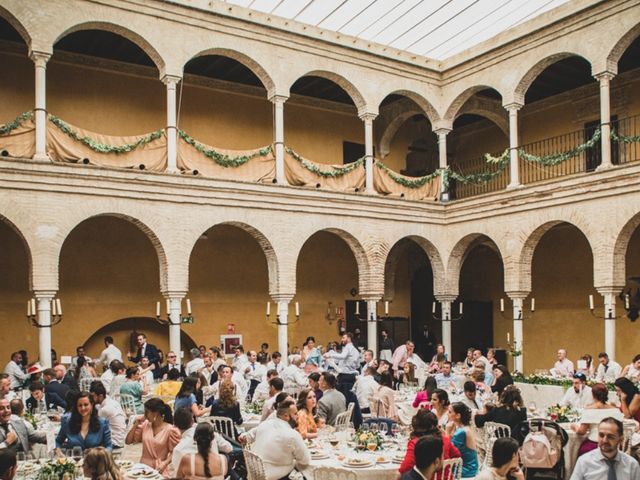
(609, 295)
(368, 119)
(605, 119)
(283, 324)
(518, 327)
(171, 82)
(445, 315)
(278, 137)
(43, 317)
(175, 310)
(442, 157)
(513, 108)
(372, 322)
(40, 60)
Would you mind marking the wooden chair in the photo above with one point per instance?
(255, 467)
(330, 473)
(452, 469)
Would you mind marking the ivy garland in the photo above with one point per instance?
(547, 380)
(557, 158)
(7, 128)
(405, 182)
(223, 159)
(336, 171)
(624, 138)
(103, 147)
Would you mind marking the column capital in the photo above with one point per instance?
(44, 294)
(39, 58)
(448, 298)
(610, 290)
(368, 116)
(276, 98)
(605, 75)
(174, 294)
(517, 295)
(442, 125)
(442, 131)
(513, 106)
(282, 297)
(171, 79)
(371, 297)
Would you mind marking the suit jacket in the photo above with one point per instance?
(152, 354)
(70, 381)
(330, 405)
(51, 399)
(411, 475)
(165, 369)
(60, 389)
(26, 435)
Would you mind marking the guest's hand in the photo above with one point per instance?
(242, 439)
(516, 474)
(139, 419)
(11, 438)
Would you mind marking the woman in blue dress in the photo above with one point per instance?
(463, 437)
(83, 428)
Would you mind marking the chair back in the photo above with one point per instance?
(85, 383)
(255, 467)
(330, 473)
(452, 469)
(343, 419)
(222, 425)
(128, 404)
(629, 427)
(493, 431)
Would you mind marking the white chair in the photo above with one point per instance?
(85, 383)
(255, 467)
(452, 469)
(222, 425)
(493, 431)
(343, 419)
(128, 404)
(628, 429)
(330, 473)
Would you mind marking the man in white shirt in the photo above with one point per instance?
(80, 352)
(225, 372)
(253, 371)
(110, 353)
(369, 360)
(608, 370)
(239, 358)
(262, 390)
(196, 363)
(15, 372)
(217, 358)
(107, 377)
(607, 461)
(276, 385)
(276, 362)
(444, 379)
(5, 387)
(291, 452)
(471, 398)
(563, 368)
(578, 395)
(403, 354)
(293, 375)
(364, 388)
(111, 410)
(208, 371)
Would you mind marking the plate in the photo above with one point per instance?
(143, 473)
(382, 460)
(357, 463)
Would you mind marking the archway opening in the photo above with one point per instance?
(628, 326)
(626, 114)
(16, 77)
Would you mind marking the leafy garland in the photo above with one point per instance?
(405, 182)
(547, 380)
(624, 138)
(557, 158)
(7, 128)
(334, 173)
(103, 147)
(223, 159)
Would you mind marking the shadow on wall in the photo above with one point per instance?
(122, 329)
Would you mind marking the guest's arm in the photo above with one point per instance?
(61, 438)
(409, 460)
(135, 434)
(106, 435)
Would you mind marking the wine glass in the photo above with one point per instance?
(371, 446)
(532, 407)
(365, 427)
(373, 427)
(384, 428)
(395, 429)
(333, 440)
(76, 453)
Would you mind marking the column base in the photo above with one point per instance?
(172, 170)
(512, 186)
(41, 157)
(604, 166)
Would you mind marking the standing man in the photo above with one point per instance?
(17, 376)
(403, 354)
(146, 350)
(347, 363)
(253, 371)
(110, 353)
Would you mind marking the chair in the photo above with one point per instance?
(558, 438)
(255, 467)
(343, 419)
(128, 404)
(330, 473)
(452, 469)
(85, 383)
(628, 429)
(223, 425)
(493, 431)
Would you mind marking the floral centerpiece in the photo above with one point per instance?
(559, 413)
(254, 407)
(61, 468)
(363, 438)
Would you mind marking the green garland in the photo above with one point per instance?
(334, 173)
(557, 158)
(405, 182)
(502, 162)
(103, 147)
(545, 380)
(7, 128)
(223, 159)
(624, 138)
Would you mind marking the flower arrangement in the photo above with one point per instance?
(559, 413)
(61, 468)
(254, 407)
(31, 418)
(363, 438)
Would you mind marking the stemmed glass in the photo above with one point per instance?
(76, 453)
(395, 429)
(384, 428)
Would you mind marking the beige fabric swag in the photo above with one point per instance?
(21, 141)
(300, 176)
(384, 184)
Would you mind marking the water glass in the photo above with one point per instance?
(76, 453)
(365, 427)
(395, 429)
(384, 428)
(20, 457)
(373, 427)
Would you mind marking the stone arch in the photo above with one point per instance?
(492, 111)
(620, 249)
(424, 105)
(620, 47)
(533, 72)
(453, 110)
(428, 248)
(25, 243)
(458, 255)
(15, 23)
(263, 242)
(122, 31)
(245, 60)
(346, 85)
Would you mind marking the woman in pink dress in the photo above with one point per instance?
(157, 434)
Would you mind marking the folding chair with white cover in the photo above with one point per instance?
(330, 473)
(452, 469)
(222, 425)
(493, 431)
(255, 467)
(128, 404)
(343, 419)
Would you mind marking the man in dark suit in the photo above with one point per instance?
(147, 350)
(428, 453)
(172, 364)
(16, 435)
(38, 395)
(52, 385)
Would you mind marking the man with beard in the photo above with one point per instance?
(280, 462)
(16, 435)
(347, 363)
(146, 350)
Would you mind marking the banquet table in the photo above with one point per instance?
(545, 396)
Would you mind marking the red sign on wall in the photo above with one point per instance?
(231, 328)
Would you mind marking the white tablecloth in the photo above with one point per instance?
(377, 471)
(545, 396)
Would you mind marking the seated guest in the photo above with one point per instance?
(158, 436)
(332, 402)
(314, 383)
(478, 377)
(585, 365)
(110, 409)
(146, 371)
(383, 399)
(502, 378)
(424, 423)
(403, 354)
(51, 385)
(364, 388)
(423, 397)
(311, 355)
(306, 405)
(608, 370)
(40, 398)
(172, 364)
(279, 462)
(64, 377)
(463, 438)
(444, 379)
(592, 415)
(428, 454)
(83, 428)
(262, 390)
(276, 363)
(8, 464)
(171, 385)
(226, 405)
(107, 375)
(578, 395)
(83, 369)
(509, 412)
(134, 388)
(276, 385)
(196, 363)
(469, 360)
(119, 377)
(293, 375)
(607, 461)
(98, 464)
(209, 372)
(183, 420)
(629, 398)
(186, 397)
(204, 463)
(491, 356)
(563, 367)
(440, 406)
(471, 398)
(16, 435)
(632, 371)
(217, 358)
(409, 374)
(438, 359)
(505, 461)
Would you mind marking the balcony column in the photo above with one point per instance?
(372, 322)
(171, 82)
(175, 314)
(609, 295)
(442, 157)
(43, 317)
(40, 60)
(445, 315)
(514, 176)
(278, 138)
(605, 119)
(368, 119)
(283, 324)
(518, 327)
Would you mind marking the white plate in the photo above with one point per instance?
(368, 463)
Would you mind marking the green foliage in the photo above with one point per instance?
(7, 128)
(220, 158)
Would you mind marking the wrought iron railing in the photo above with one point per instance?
(626, 151)
(465, 167)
